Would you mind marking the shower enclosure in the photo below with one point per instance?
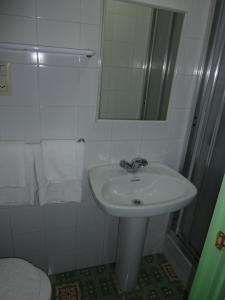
(162, 53)
(205, 159)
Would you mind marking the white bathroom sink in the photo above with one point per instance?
(153, 190)
(134, 197)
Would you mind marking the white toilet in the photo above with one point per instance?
(20, 280)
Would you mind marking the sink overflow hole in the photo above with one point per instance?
(137, 202)
(135, 179)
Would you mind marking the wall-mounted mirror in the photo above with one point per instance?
(139, 51)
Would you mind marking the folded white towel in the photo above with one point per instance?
(59, 167)
(12, 164)
(61, 160)
(70, 191)
(21, 195)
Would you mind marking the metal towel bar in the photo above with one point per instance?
(80, 140)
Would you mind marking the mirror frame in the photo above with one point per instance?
(178, 5)
(182, 6)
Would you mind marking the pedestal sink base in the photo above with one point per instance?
(132, 232)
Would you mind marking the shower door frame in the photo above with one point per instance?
(204, 93)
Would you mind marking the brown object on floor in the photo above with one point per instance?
(168, 270)
(68, 291)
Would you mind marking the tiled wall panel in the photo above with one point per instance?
(58, 99)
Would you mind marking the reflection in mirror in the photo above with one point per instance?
(139, 50)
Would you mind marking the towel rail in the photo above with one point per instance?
(48, 49)
(80, 140)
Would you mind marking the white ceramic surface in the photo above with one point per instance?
(153, 190)
(129, 253)
(157, 189)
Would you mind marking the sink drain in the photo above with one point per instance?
(137, 202)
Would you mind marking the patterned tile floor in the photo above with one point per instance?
(156, 281)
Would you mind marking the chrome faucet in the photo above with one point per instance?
(134, 165)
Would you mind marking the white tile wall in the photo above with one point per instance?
(97, 152)
(33, 216)
(110, 240)
(67, 10)
(196, 22)
(6, 248)
(18, 8)
(59, 85)
(91, 11)
(127, 150)
(32, 247)
(20, 123)
(189, 56)
(53, 213)
(156, 230)
(183, 86)
(24, 86)
(17, 30)
(59, 261)
(58, 34)
(89, 36)
(58, 122)
(89, 128)
(127, 130)
(88, 86)
(58, 100)
(179, 122)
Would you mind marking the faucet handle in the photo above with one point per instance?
(139, 160)
(134, 164)
(123, 163)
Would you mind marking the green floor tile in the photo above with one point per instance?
(156, 281)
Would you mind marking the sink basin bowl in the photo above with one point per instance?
(153, 190)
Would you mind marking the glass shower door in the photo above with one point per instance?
(205, 161)
(197, 217)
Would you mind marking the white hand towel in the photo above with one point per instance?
(70, 191)
(21, 195)
(59, 167)
(61, 160)
(12, 164)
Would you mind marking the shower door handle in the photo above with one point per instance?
(220, 240)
